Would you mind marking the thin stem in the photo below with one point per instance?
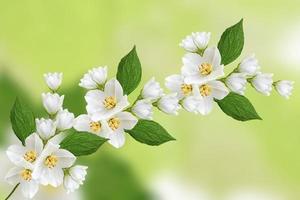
(11, 193)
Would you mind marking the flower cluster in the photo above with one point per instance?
(41, 161)
(51, 145)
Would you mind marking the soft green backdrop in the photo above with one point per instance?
(214, 157)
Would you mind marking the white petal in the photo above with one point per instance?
(205, 105)
(191, 62)
(128, 121)
(82, 123)
(34, 142)
(219, 90)
(212, 56)
(15, 154)
(53, 177)
(29, 189)
(117, 138)
(65, 158)
(113, 88)
(13, 175)
(94, 97)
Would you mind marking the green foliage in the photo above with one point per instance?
(22, 120)
(129, 71)
(231, 43)
(150, 132)
(238, 107)
(82, 143)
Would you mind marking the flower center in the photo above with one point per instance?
(205, 68)
(51, 161)
(205, 90)
(110, 102)
(95, 126)
(186, 89)
(26, 174)
(30, 156)
(114, 123)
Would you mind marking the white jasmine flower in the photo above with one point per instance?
(201, 69)
(99, 74)
(50, 165)
(191, 104)
(21, 155)
(86, 124)
(143, 109)
(195, 42)
(152, 90)
(263, 83)
(45, 128)
(104, 104)
(249, 65)
(52, 102)
(117, 124)
(88, 82)
(64, 120)
(176, 84)
(207, 93)
(169, 104)
(284, 88)
(23, 175)
(236, 82)
(75, 178)
(53, 80)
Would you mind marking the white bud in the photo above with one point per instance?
(152, 90)
(87, 82)
(53, 80)
(249, 65)
(45, 128)
(78, 173)
(143, 109)
(284, 88)
(52, 102)
(195, 41)
(169, 104)
(263, 83)
(70, 184)
(64, 120)
(237, 82)
(99, 74)
(191, 104)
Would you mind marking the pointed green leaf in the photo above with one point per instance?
(22, 120)
(150, 132)
(238, 107)
(82, 143)
(129, 71)
(231, 43)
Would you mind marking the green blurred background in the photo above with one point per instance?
(214, 156)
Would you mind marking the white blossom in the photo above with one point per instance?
(284, 88)
(249, 65)
(195, 42)
(237, 82)
(263, 83)
(88, 82)
(152, 90)
(45, 128)
(169, 104)
(53, 80)
(52, 102)
(75, 178)
(64, 120)
(99, 74)
(143, 109)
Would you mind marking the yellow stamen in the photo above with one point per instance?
(51, 161)
(205, 68)
(95, 126)
(26, 174)
(114, 123)
(186, 89)
(205, 90)
(110, 102)
(30, 156)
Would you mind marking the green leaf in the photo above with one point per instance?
(238, 107)
(22, 120)
(82, 143)
(129, 71)
(231, 43)
(150, 132)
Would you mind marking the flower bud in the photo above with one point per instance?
(249, 66)
(195, 42)
(284, 88)
(143, 109)
(45, 128)
(99, 75)
(64, 120)
(78, 173)
(263, 83)
(236, 82)
(52, 102)
(152, 90)
(169, 104)
(70, 184)
(191, 104)
(87, 82)
(53, 80)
